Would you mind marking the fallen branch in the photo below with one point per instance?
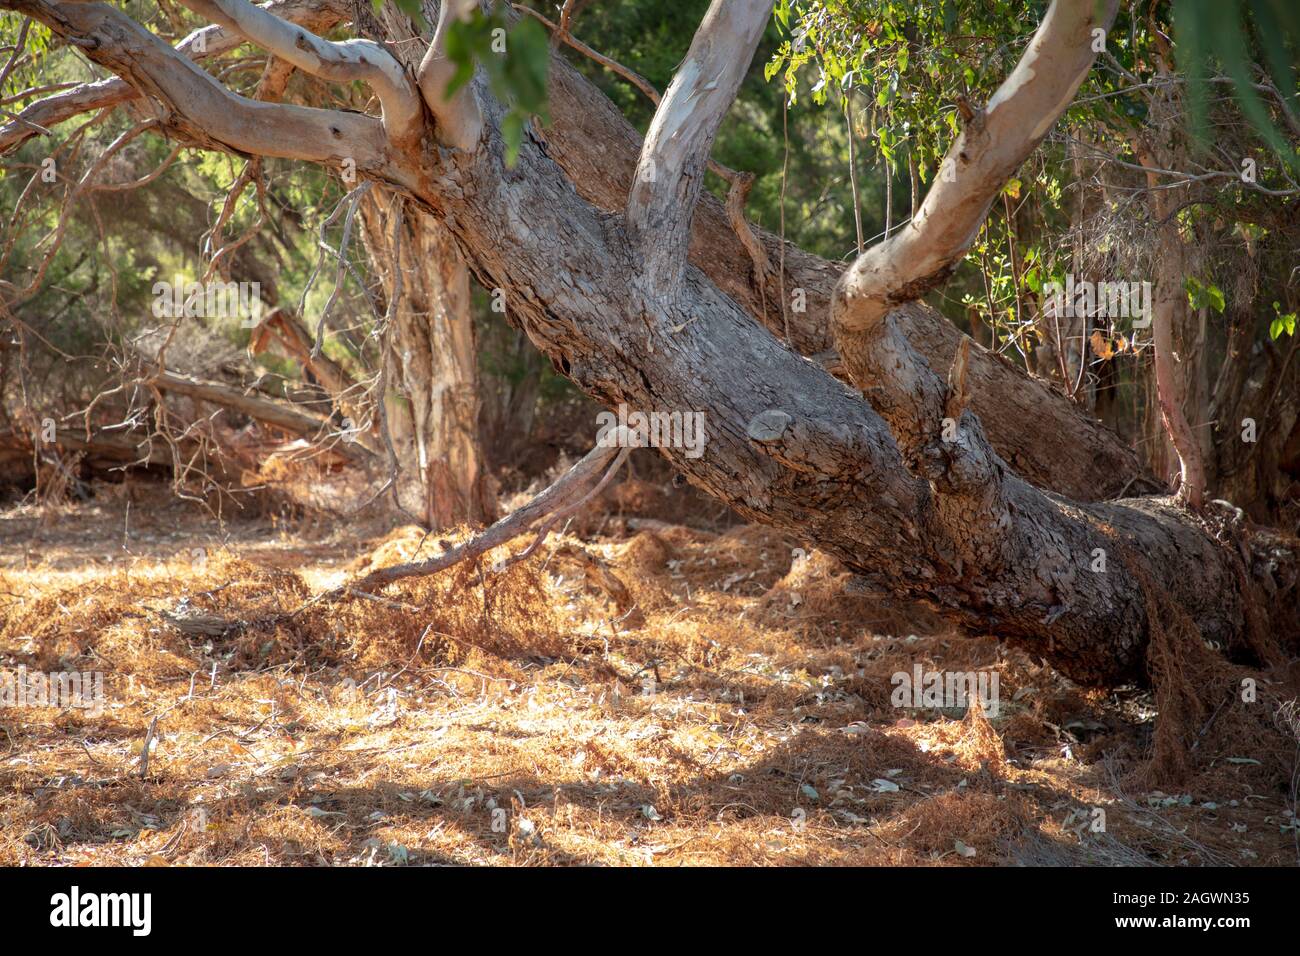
(562, 498)
(272, 413)
(565, 496)
(282, 326)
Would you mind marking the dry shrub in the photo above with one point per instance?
(1199, 697)
(980, 820)
(261, 615)
(641, 498)
(669, 564)
(979, 744)
(149, 616)
(510, 614)
(406, 543)
(297, 479)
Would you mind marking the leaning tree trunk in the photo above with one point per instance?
(432, 399)
(597, 149)
(904, 487)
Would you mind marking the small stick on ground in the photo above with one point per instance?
(144, 751)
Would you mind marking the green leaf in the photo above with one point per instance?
(1281, 323)
(1033, 279)
(512, 131)
(516, 69)
(949, 16)
(782, 12)
(410, 7)
(1200, 296)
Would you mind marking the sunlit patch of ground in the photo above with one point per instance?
(656, 695)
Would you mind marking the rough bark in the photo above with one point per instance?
(431, 364)
(1071, 452)
(945, 520)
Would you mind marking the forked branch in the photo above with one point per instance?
(200, 108)
(204, 43)
(345, 60)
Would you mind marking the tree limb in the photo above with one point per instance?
(995, 141)
(204, 43)
(565, 495)
(459, 123)
(670, 172)
(344, 61)
(204, 111)
(939, 440)
(272, 413)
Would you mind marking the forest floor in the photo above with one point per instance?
(643, 693)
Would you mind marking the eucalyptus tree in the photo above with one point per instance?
(944, 473)
(1125, 188)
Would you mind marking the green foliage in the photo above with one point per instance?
(904, 57)
(1218, 33)
(903, 67)
(1281, 323)
(1204, 295)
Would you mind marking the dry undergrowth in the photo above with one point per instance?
(658, 696)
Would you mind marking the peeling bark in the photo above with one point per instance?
(431, 364)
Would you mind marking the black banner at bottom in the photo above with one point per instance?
(891, 906)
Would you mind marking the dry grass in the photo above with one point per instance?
(657, 697)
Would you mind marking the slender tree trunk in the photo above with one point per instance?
(1171, 316)
(431, 366)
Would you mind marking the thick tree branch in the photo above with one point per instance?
(566, 495)
(204, 43)
(204, 111)
(740, 183)
(994, 143)
(459, 123)
(940, 441)
(345, 61)
(670, 172)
